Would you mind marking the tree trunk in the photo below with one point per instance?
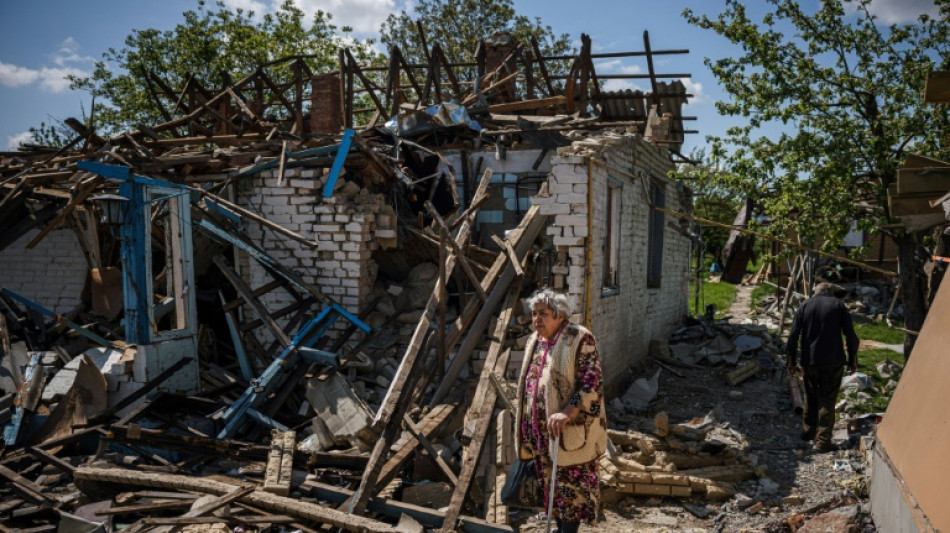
(911, 276)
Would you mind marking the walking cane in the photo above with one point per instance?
(551, 486)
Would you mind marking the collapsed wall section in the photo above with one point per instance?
(625, 268)
(52, 274)
(343, 227)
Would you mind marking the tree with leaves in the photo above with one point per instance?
(458, 26)
(848, 92)
(712, 198)
(213, 44)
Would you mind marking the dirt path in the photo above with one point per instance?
(742, 305)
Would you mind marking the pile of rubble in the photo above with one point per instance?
(701, 457)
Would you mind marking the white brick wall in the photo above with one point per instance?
(52, 274)
(341, 266)
(624, 322)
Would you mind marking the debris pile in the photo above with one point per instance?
(701, 457)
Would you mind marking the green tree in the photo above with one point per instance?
(712, 198)
(458, 26)
(213, 44)
(849, 92)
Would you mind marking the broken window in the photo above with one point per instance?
(655, 245)
(612, 240)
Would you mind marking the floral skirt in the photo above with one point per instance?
(576, 491)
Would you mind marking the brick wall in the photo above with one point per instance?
(344, 227)
(52, 274)
(624, 319)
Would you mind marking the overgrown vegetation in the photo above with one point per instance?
(880, 332)
(718, 293)
(876, 399)
(847, 89)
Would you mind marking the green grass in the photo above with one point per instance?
(759, 293)
(720, 293)
(880, 395)
(880, 332)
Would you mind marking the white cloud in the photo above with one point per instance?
(69, 53)
(695, 89)
(54, 79)
(898, 11)
(16, 76)
(364, 16)
(621, 85)
(50, 79)
(67, 62)
(14, 141)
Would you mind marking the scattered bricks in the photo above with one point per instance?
(719, 492)
(649, 489)
(755, 508)
(670, 479)
(742, 373)
(637, 477)
(628, 465)
(793, 499)
(661, 424)
(681, 492)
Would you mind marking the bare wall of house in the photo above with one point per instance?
(52, 273)
(344, 228)
(627, 305)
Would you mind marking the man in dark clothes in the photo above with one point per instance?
(819, 324)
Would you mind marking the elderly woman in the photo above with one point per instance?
(560, 394)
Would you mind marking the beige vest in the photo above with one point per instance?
(585, 437)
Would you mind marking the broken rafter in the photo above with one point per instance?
(284, 505)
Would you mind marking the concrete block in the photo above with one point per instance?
(554, 209)
(571, 198)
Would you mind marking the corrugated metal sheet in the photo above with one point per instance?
(635, 105)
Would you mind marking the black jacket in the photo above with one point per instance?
(819, 324)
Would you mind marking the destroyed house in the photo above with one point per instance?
(281, 251)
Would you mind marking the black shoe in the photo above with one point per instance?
(807, 435)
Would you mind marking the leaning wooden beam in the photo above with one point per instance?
(256, 218)
(403, 448)
(474, 316)
(446, 469)
(271, 502)
(245, 291)
(479, 416)
(388, 404)
(393, 508)
(86, 185)
(460, 256)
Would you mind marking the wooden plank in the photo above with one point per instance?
(403, 448)
(428, 517)
(474, 316)
(305, 511)
(388, 404)
(446, 469)
(525, 105)
(512, 256)
(145, 508)
(933, 181)
(30, 490)
(245, 291)
(937, 89)
(479, 415)
(86, 186)
(462, 260)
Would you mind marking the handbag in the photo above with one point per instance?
(521, 486)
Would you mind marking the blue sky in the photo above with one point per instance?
(43, 41)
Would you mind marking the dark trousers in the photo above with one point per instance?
(567, 527)
(821, 391)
